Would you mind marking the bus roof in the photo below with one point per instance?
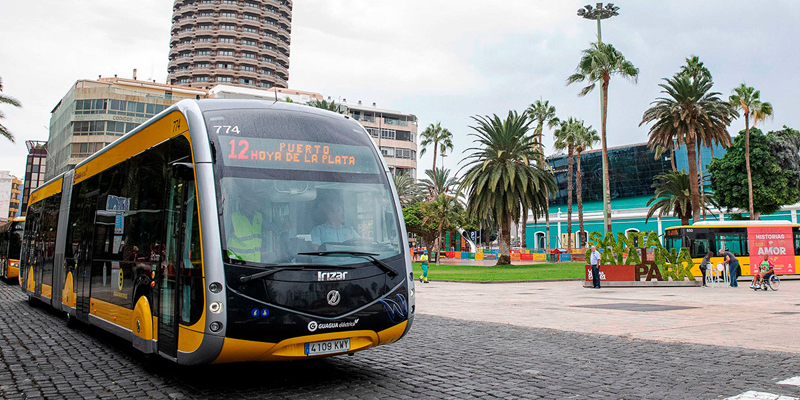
(729, 224)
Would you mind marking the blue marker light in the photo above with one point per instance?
(264, 312)
(254, 312)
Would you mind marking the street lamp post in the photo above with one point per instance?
(600, 13)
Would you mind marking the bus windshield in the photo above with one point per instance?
(301, 183)
(15, 241)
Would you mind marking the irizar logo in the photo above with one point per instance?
(331, 276)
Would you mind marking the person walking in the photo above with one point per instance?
(733, 266)
(595, 262)
(424, 259)
(704, 266)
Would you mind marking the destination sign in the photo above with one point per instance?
(238, 151)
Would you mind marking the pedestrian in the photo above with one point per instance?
(595, 261)
(704, 266)
(424, 259)
(733, 266)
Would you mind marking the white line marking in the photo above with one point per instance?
(791, 381)
(753, 395)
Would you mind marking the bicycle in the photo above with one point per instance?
(773, 282)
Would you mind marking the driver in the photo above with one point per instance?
(334, 230)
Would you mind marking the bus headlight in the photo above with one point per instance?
(215, 287)
(215, 326)
(411, 292)
(215, 307)
(15, 264)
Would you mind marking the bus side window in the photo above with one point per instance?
(797, 243)
(700, 247)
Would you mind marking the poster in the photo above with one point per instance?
(775, 241)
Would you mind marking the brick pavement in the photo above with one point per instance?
(441, 358)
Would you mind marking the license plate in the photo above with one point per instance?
(327, 347)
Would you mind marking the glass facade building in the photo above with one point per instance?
(632, 170)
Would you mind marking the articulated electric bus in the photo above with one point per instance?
(748, 241)
(224, 231)
(10, 247)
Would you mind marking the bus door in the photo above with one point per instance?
(171, 267)
(83, 276)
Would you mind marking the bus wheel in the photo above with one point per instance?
(72, 322)
(31, 301)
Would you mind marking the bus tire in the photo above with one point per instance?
(72, 322)
(31, 301)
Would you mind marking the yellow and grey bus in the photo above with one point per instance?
(10, 247)
(748, 241)
(225, 231)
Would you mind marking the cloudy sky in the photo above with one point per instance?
(442, 60)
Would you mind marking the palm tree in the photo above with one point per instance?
(439, 182)
(597, 64)
(673, 195)
(408, 191)
(325, 105)
(694, 68)
(747, 99)
(11, 101)
(543, 113)
(500, 176)
(566, 136)
(586, 138)
(688, 111)
(439, 137)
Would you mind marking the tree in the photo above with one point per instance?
(408, 191)
(784, 145)
(500, 176)
(748, 100)
(688, 111)
(772, 186)
(598, 63)
(566, 136)
(429, 218)
(672, 195)
(586, 138)
(10, 101)
(439, 182)
(440, 138)
(325, 105)
(446, 212)
(543, 113)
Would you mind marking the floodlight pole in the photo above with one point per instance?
(600, 13)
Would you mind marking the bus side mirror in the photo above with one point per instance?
(183, 171)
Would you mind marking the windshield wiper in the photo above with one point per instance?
(391, 271)
(262, 274)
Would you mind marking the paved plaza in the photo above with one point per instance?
(550, 340)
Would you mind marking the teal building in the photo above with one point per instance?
(632, 169)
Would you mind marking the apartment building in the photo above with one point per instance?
(94, 113)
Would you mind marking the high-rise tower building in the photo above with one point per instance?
(239, 42)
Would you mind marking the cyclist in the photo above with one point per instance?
(766, 270)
